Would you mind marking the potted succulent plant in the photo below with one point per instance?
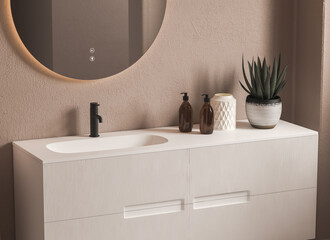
(263, 105)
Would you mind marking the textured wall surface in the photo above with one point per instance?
(198, 50)
(323, 213)
(308, 63)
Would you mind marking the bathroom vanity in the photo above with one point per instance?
(162, 184)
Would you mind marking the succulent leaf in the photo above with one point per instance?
(259, 63)
(273, 79)
(258, 82)
(280, 87)
(244, 88)
(279, 64)
(259, 69)
(253, 82)
(245, 78)
(264, 70)
(281, 77)
(267, 94)
(265, 81)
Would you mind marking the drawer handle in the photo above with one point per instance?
(221, 200)
(153, 209)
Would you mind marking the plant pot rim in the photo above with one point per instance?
(251, 99)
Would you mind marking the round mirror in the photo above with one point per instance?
(89, 39)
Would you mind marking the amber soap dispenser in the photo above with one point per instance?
(185, 115)
(206, 123)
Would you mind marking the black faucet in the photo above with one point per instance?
(95, 119)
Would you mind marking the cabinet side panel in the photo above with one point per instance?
(28, 184)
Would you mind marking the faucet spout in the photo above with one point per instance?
(95, 119)
(100, 118)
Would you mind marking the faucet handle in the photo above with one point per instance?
(95, 104)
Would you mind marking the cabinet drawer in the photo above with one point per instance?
(286, 216)
(255, 167)
(114, 227)
(272, 216)
(108, 185)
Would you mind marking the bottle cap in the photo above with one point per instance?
(185, 97)
(206, 97)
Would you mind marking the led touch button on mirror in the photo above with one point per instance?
(92, 58)
(92, 50)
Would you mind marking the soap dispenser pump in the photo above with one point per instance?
(206, 123)
(185, 115)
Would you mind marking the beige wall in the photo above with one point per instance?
(198, 50)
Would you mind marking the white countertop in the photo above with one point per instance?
(176, 141)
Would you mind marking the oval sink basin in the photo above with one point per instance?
(105, 143)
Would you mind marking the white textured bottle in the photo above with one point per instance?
(224, 106)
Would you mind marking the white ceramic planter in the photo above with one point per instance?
(224, 107)
(263, 114)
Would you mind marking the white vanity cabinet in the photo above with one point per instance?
(102, 198)
(95, 187)
(245, 184)
(254, 190)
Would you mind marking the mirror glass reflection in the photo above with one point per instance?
(89, 39)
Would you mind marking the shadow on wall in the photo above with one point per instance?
(72, 122)
(211, 85)
(203, 85)
(228, 83)
(6, 153)
(7, 192)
